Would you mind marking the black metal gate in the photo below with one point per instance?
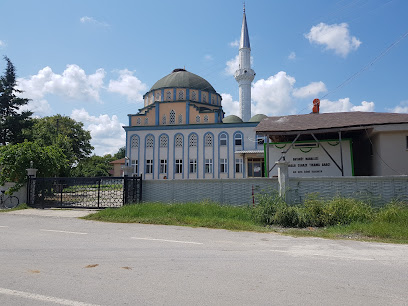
(83, 192)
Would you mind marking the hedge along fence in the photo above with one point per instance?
(376, 190)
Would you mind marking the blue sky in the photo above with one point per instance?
(93, 60)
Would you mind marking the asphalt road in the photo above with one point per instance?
(52, 258)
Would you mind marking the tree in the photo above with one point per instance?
(120, 154)
(15, 159)
(12, 121)
(65, 133)
(93, 166)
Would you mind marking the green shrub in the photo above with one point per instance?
(314, 211)
(340, 211)
(394, 212)
(268, 203)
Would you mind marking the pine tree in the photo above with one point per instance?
(12, 121)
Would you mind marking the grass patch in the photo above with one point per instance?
(338, 218)
(205, 214)
(18, 207)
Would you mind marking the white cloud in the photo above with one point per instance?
(233, 65)
(335, 37)
(344, 105)
(91, 20)
(401, 108)
(273, 95)
(309, 91)
(40, 108)
(234, 43)
(73, 83)
(292, 56)
(107, 132)
(229, 106)
(2, 44)
(128, 85)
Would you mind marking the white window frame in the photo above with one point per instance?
(163, 166)
(179, 166)
(208, 165)
(149, 166)
(223, 139)
(193, 165)
(238, 138)
(223, 165)
(239, 165)
(135, 165)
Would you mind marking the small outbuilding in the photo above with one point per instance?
(337, 144)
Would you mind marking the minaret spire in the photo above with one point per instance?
(244, 75)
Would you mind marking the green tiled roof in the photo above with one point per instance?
(183, 79)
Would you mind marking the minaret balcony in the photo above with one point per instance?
(244, 75)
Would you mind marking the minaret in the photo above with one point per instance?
(244, 75)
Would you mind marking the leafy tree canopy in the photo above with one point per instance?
(12, 120)
(93, 166)
(120, 154)
(15, 159)
(63, 132)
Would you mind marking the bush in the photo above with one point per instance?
(268, 203)
(394, 212)
(340, 211)
(272, 209)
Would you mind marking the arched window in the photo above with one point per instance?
(204, 98)
(138, 121)
(134, 142)
(164, 119)
(238, 139)
(149, 141)
(198, 119)
(168, 95)
(180, 119)
(157, 96)
(172, 117)
(146, 121)
(179, 140)
(163, 141)
(192, 140)
(223, 139)
(212, 100)
(205, 118)
(193, 95)
(208, 141)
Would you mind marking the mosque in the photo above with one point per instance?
(181, 132)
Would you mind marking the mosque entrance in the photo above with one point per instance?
(256, 167)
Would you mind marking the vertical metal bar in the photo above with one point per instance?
(60, 185)
(99, 192)
(125, 190)
(341, 155)
(140, 189)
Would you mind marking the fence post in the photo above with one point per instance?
(32, 174)
(283, 176)
(99, 191)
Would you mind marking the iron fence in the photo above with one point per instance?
(83, 192)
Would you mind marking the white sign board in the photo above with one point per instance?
(308, 159)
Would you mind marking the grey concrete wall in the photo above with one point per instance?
(377, 190)
(224, 191)
(20, 194)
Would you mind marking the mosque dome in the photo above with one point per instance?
(183, 79)
(258, 118)
(232, 119)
